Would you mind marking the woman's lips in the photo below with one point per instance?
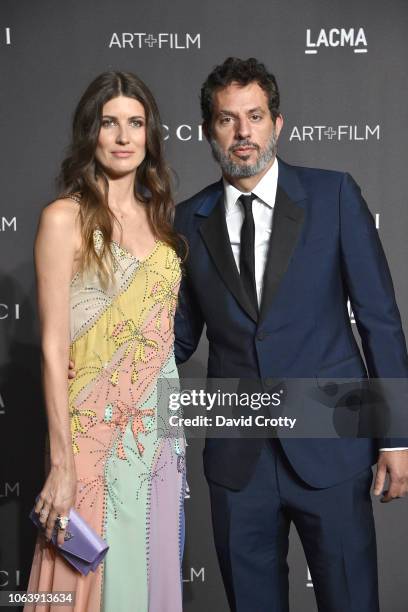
(123, 154)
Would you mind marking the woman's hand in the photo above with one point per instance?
(57, 498)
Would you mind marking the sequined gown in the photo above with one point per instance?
(130, 475)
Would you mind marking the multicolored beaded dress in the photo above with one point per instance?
(131, 475)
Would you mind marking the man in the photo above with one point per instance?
(270, 274)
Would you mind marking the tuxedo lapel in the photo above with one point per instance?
(286, 226)
(215, 235)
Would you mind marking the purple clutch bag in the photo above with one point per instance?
(83, 548)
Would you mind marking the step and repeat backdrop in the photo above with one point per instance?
(341, 68)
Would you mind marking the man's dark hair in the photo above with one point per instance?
(243, 72)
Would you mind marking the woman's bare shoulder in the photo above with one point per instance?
(60, 214)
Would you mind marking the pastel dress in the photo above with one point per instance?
(130, 464)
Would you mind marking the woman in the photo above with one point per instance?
(108, 276)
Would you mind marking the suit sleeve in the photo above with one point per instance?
(371, 292)
(189, 322)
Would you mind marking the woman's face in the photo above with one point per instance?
(121, 144)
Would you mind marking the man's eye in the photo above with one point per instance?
(256, 117)
(225, 120)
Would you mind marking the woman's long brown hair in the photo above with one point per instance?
(82, 174)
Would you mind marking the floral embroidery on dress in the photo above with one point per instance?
(120, 416)
(165, 296)
(127, 333)
(76, 425)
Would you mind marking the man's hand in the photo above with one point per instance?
(71, 369)
(395, 463)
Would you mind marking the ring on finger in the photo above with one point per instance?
(61, 522)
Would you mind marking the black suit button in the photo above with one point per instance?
(260, 336)
(269, 381)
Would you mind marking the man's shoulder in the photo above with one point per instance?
(314, 174)
(192, 203)
(316, 184)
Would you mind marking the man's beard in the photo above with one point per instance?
(241, 170)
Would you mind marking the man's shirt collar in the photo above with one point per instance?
(265, 190)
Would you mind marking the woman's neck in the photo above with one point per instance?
(121, 195)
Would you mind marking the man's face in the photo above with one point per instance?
(242, 134)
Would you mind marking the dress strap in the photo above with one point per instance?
(76, 196)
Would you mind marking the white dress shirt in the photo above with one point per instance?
(262, 209)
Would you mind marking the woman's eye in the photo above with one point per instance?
(136, 123)
(107, 122)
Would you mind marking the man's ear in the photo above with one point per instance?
(278, 124)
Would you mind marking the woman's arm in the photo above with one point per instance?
(56, 249)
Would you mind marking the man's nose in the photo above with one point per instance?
(243, 130)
